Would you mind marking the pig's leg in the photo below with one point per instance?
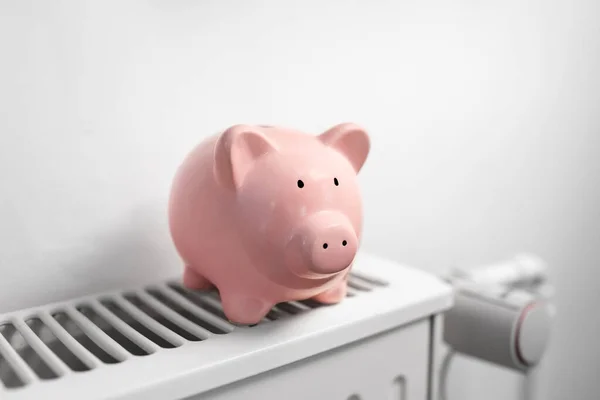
(244, 310)
(333, 295)
(193, 280)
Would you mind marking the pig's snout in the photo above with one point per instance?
(329, 243)
(333, 249)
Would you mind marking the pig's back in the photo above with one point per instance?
(290, 140)
(200, 210)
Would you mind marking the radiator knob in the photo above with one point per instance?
(508, 328)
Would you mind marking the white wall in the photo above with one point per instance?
(485, 118)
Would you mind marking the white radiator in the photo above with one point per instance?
(165, 342)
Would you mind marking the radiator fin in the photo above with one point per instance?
(80, 336)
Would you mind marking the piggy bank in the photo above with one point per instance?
(269, 214)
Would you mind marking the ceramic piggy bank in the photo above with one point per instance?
(269, 214)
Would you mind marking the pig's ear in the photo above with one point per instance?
(350, 140)
(236, 150)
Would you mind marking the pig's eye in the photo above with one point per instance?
(300, 184)
(336, 182)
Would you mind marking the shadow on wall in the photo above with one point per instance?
(140, 247)
(136, 251)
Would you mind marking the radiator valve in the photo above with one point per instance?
(502, 313)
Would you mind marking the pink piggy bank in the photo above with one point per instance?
(269, 214)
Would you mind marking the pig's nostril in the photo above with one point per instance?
(344, 243)
(325, 245)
